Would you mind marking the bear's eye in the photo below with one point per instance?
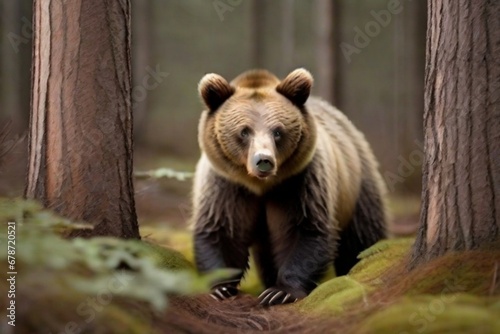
(244, 133)
(277, 134)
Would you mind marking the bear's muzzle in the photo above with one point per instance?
(263, 164)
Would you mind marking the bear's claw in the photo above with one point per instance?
(275, 296)
(224, 290)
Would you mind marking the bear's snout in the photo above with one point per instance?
(263, 164)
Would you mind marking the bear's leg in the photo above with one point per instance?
(309, 254)
(302, 237)
(263, 255)
(225, 218)
(216, 250)
(366, 228)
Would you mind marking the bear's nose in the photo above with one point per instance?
(264, 162)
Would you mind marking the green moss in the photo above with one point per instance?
(456, 287)
(452, 313)
(377, 259)
(333, 296)
(168, 258)
(179, 240)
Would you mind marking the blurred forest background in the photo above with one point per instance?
(367, 57)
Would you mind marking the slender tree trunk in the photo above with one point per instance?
(416, 35)
(327, 32)
(461, 183)
(405, 133)
(12, 43)
(80, 150)
(287, 35)
(258, 33)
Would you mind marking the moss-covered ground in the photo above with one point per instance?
(105, 285)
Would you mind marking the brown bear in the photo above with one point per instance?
(285, 175)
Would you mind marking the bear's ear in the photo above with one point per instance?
(296, 86)
(214, 90)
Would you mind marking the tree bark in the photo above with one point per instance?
(80, 145)
(461, 181)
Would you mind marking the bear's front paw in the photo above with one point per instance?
(276, 296)
(225, 290)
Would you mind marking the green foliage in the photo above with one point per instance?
(87, 266)
(164, 173)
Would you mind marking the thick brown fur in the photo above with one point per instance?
(319, 200)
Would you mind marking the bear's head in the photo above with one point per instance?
(256, 130)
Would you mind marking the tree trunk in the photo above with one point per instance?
(12, 42)
(461, 182)
(406, 106)
(80, 146)
(258, 33)
(287, 35)
(327, 32)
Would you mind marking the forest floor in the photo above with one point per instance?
(376, 296)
